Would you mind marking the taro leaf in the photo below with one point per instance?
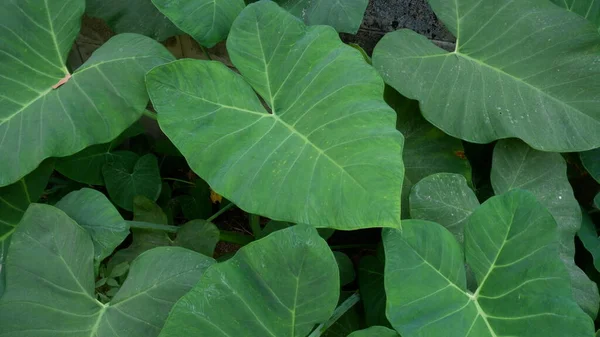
(328, 155)
(124, 184)
(511, 245)
(14, 200)
(279, 286)
(589, 237)
(343, 15)
(143, 240)
(427, 150)
(97, 215)
(517, 166)
(589, 9)
(132, 16)
(198, 235)
(375, 331)
(372, 291)
(346, 267)
(347, 323)
(98, 102)
(525, 69)
(207, 21)
(591, 162)
(197, 204)
(51, 258)
(146, 210)
(86, 166)
(446, 199)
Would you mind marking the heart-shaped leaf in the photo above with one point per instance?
(427, 150)
(279, 286)
(517, 166)
(444, 198)
(511, 245)
(51, 258)
(125, 183)
(525, 69)
(48, 112)
(132, 16)
(589, 9)
(207, 21)
(329, 144)
(375, 331)
(97, 215)
(14, 200)
(343, 15)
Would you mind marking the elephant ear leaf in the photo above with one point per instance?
(521, 69)
(589, 9)
(51, 257)
(279, 286)
(328, 141)
(511, 245)
(46, 110)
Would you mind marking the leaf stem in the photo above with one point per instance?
(180, 181)
(255, 225)
(339, 312)
(150, 114)
(148, 225)
(206, 52)
(221, 211)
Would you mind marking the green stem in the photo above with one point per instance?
(150, 114)
(339, 312)
(148, 225)
(255, 225)
(235, 237)
(221, 211)
(180, 181)
(206, 52)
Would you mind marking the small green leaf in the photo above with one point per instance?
(279, 286)
(198, 235)
(112, 282)
(329, 142)
(517, 66)
(51, 258)
(517, 166)
(207, 21)
(589, 237)
(100, 282)
(197, 204)
(372, 291)
(375, 331)
(511, 245)
(427, 150)
(124, 184)
(132, 16)
(347, 273)
(444, 198)
(146, 210)
(97, 215)
(591, 162)
(120, 269)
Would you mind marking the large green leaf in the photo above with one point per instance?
(511, 245)
(427, 150)
(589, 9)
(375, 331)
(444, 198)
(279, 286)
(50, 283)
(86, 166)
(343, 15)
(98, 102)
(97, 215)
(207, 21)
(589, 237)
(517, 166)
(125, 183)
(14, 200)
(525, 69)
(591, 162)
(329, 144)
(132, 16)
